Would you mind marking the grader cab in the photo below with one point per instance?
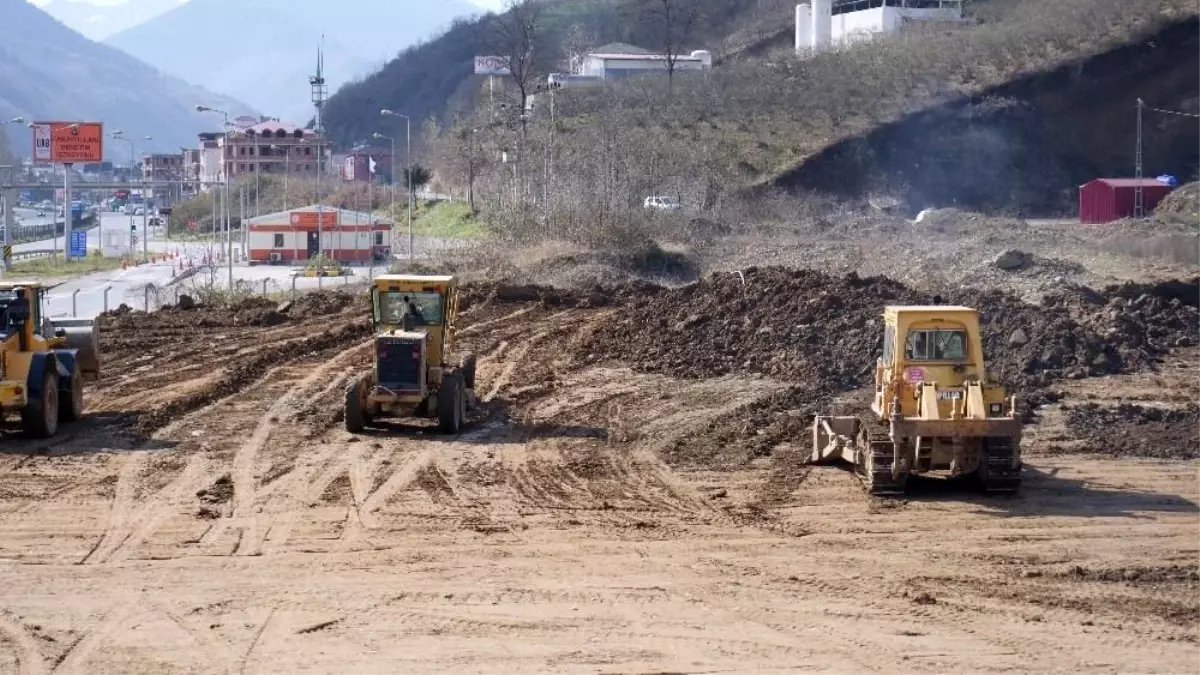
(43, 362)
(413, 374)
(935, 408)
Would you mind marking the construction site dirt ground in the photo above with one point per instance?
(212, 516)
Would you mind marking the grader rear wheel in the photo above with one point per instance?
(356, 420)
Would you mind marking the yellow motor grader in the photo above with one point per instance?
(43, 362)
(935, 408)
(414, 318)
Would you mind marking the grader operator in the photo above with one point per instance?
(413, 375)
(935, 408)
(43, 362)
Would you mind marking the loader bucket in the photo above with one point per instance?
(84, 336)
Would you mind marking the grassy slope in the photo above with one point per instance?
(758, 119)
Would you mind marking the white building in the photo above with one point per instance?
(826, 23)
(619, 60)
(297, 235)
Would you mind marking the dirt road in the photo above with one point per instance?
(568, 528)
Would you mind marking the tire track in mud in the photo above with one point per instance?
(75, 658)
(244, 373)
(133, 523)
(246, 458)
(28, 656)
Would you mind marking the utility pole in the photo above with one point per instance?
(408, 172)
(1139, 198)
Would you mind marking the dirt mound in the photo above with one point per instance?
(1137, 431)
(323, 303)
(250, 312)
(956, 222)
(788, 324)
(1182, 204)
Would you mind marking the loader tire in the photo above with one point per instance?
(70, 400)
(468, 370)
(356, 420)
(39, 418)
(451, 404)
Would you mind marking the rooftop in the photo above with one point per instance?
(1132, 182)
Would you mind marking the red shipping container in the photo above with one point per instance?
(1107, 199)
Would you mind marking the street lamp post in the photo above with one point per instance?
(225, 184)
(120, 136)
(407, 173)
(287, 169)
(9, 218)
(391, 242)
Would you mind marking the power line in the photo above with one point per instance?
(1172, 112)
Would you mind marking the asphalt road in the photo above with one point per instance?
(89, 295)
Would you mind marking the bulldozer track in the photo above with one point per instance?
(876, 471)
(1001, 477)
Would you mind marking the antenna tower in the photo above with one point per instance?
(320, 93)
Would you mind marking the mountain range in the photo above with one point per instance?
(263, 51)
(97, 22)
(48, 71)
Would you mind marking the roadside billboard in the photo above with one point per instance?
(492, 65)
(68, 142)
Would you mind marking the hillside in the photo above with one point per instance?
(1007, 111)
(271, 46)
(50, 71)
(431, 78)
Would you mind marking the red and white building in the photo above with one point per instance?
(300, 234)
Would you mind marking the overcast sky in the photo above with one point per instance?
(486, 4)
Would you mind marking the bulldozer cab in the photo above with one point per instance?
(417, 304)
(935, 344)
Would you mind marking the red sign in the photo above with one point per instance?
(68, 142)
(308, 219)
(193, 225)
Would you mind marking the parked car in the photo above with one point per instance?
(661, 203)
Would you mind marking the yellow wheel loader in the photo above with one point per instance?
(935, 409)
(43, 362)
(413, 375)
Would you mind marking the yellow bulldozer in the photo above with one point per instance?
(935, 408)
(43, 362)
(413, 375)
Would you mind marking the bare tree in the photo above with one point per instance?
(669, 23)
(516, 35)
(576, 43)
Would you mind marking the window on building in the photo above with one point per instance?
(251, 151)
(242, 151)
(278, 241)
(241, 167)
(308, 151)
(379, 239)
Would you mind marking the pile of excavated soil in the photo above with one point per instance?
(323, 303)
(1182, 204)
(824, 333)
(1131, 430)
